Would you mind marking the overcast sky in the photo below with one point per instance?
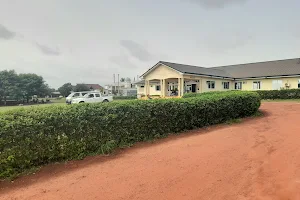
(90, 40)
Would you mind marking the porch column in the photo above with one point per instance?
(201, 85)
(149, 87)
(163, 87)
(179, 86)
(146, 87)
(182, 86)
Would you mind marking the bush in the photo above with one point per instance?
(31, 138)
(280, 94)
(124, 97)
(189, 95)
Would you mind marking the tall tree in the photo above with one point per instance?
(65, 89)
(32, 84)
(122, 79)
(8, 84)
(81, 87)
(46, 90)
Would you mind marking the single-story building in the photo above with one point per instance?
(94, 87)
(169, 79)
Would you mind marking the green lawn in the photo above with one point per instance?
(53, 102)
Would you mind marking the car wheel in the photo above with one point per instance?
(105, 101)
(81, 102)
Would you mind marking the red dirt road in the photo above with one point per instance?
(256, 159)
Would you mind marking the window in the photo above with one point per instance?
(238, 85)
(225, 85)
(97, 95)
(91, 96)
(210, 84)
(76, 95)
(84, 93)
(158, 88)
(142, 86)
(276, 84)
(256, 85)
(299, 83)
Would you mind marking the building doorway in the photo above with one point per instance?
(193, 88)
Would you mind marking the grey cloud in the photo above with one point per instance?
(122, 61)
(216, 4)
(137, 50)
(47, 50)
(6, 34)
(233, 41)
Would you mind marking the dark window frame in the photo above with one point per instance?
(258, 85)
(157, 87)
(236, 84)
(211, 84)
(226, 85)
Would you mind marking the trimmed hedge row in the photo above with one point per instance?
(213, 93)
(264, 94)
(190, 95)
(30, 138)
(124, 97)
(279, 94)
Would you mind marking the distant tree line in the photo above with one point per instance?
(21, 87)
(67, 88)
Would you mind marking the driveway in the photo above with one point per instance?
(256, 159)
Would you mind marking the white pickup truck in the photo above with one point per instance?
(92, 97)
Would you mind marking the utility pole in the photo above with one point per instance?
(114, 86)
(118, 84)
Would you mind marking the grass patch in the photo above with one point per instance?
(233, 121)
(258, 114)
(9, 108)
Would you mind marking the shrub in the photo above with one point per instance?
(189, 95)
(280, 94)
(124, 97)
(31, 138)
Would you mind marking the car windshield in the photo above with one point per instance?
(71, 95)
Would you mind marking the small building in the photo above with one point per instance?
(95, 87)
(173, 79)
(55, 94)
(122, 89)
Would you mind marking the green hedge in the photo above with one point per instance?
(30, 138)
(280, 94)
(124, 97)
(190, 95)
(264, 94)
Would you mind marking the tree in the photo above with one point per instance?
(122, 80)
(65, 89)
(81, 87)
(128, 80)
(32, 84)
(8, 84)
(46, 90)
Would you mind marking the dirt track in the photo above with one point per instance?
(256, 159)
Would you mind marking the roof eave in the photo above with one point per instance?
(156, 65)
(207, 75)
(276, 76)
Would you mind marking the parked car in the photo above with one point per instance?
(75, 95)
(92, 97)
